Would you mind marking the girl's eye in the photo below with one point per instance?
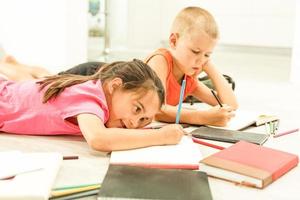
(207, 55)
(137, 109)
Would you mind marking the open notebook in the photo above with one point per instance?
(28, 175)
(242, 120)
(184, 155)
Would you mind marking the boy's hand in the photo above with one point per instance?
(219, 116)
(201, 69)
(171, 134)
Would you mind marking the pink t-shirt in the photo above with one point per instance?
(22, 110)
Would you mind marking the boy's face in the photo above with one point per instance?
(132, 110)
(192, 52)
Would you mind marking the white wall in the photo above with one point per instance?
(118, 23)
(247, 22)
(254, 22)
(51, 33)
(295, 69)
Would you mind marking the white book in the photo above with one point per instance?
(34, 175)
(243, 118)
(184, 155)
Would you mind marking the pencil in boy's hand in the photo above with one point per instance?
(217, 98)
(180, 100)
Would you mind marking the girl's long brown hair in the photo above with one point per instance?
(135, 75)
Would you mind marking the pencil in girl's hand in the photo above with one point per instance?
(218, 100)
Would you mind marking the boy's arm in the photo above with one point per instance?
(223, 88)
(215, 116)
(160, 65)
(109, 139)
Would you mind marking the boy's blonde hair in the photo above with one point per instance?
(195, 18)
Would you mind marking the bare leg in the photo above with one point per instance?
(9, 59)
(16, 71)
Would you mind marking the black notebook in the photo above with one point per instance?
(228, 135)
(128, 182)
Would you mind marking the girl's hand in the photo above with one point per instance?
(171, 134)
(219, 116)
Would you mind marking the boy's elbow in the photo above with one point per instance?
(235, 105)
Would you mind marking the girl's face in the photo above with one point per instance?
(129, 109)
(191, 52)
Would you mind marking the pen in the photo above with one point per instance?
(271, 125)
(277, 125)
(70, 157)
(180, 100)
(266, 128)
(207, 144)
(286, 132)
(218, 100)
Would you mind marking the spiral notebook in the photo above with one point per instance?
(229, 135)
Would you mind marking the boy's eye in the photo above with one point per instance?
(195, 52)
(207, 55)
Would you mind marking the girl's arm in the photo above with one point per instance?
(109, 139)
(223, 88)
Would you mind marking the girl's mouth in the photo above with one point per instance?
(123, 124)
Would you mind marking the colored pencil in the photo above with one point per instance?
(180, 100)
(286, 132)
(207, 144)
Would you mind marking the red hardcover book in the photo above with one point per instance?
(249, 164)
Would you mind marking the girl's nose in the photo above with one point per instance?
(134, 123)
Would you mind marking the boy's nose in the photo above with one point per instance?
(200, 60)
